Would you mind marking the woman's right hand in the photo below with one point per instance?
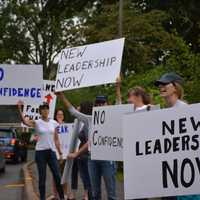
(20, 104)
(118, 81)
(60, 95)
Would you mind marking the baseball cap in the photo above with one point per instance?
(169, 78)
(101, 99)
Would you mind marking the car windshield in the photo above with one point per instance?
(6, 134)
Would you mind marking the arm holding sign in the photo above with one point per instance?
(29, 123)
(82, 117)
(118, 91)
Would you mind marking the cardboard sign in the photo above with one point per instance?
(31, 111)
(20, 82)
(161, 152)
(65, 132)
(89, 65)
(106, 138)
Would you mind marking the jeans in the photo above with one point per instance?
(42, 158)
(84, 174)
(74, 185)
(107, 170)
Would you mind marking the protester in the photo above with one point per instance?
(69, 171)
(74, 181)
(46, 146)
(172, 92)
(137, 96)
(97, 169)
(63, 136)
(86, 108)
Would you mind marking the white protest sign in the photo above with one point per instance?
(32, 110)
(65, 132)
(20, 82)
(106, 138)
(161, 152)
(89, 65)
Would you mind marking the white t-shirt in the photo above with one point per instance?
(144, 107)
(45, 131)
(179, 103)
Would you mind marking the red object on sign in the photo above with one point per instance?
(49, 98)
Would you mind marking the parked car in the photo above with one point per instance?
(14, 148)
(2, 161)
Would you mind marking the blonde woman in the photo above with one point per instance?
(171, 90)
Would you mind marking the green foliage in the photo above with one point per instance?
(36, 31)
(161, 36)
(184, 17)
(154, 43)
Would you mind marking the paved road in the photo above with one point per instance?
(79, 192)
(11, 183)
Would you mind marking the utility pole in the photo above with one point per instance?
(120, 18)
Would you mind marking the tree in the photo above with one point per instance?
(36, 31)
(184, 17)
(148, 43)
(153, 45)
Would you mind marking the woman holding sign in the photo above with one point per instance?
(63, 134)
(46, 146)
(97, 169)
(172, 92)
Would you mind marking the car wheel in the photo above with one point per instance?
(3, 170)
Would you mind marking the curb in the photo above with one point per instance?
(29, 193)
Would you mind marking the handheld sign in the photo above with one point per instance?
(161, 152)
(20, 82)
(31, 111)
(89, 65)
(65, 132)
(106, 138)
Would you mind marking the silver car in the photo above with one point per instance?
(2, 160)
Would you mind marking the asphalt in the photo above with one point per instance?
(79, 192)
(11, 182)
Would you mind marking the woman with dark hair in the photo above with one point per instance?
(63, 134)
(172, 92)
(80, 133)
(46, 146)
(86, 108)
